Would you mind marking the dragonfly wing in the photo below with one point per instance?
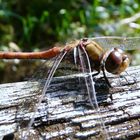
(90, 88)
(125, 43)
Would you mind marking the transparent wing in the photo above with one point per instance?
(90, 89)
(35, 105)
(125, 43)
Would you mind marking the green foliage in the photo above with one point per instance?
(27, 25)
(34, 24)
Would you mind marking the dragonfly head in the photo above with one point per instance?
(116, 61)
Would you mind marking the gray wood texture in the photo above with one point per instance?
(65, 112)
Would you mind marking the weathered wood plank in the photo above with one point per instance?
(65, 112)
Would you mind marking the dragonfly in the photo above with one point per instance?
(98, 54)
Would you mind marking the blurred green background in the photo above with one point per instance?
(29, 25)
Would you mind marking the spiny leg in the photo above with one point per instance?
(127, 80)
(107, 81)
(95, 74)
(134, 78)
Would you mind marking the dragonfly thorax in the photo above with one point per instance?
(95, 53)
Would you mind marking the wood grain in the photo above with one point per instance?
(65, 111)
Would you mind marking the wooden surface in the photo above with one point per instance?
(65, 112)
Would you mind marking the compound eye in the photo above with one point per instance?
(113, 61)
(117, 61)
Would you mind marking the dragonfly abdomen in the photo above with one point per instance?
(31, 55)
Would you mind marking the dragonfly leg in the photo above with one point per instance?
(106, 79)
(127, 79)
(95, 74)
(134, 78)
